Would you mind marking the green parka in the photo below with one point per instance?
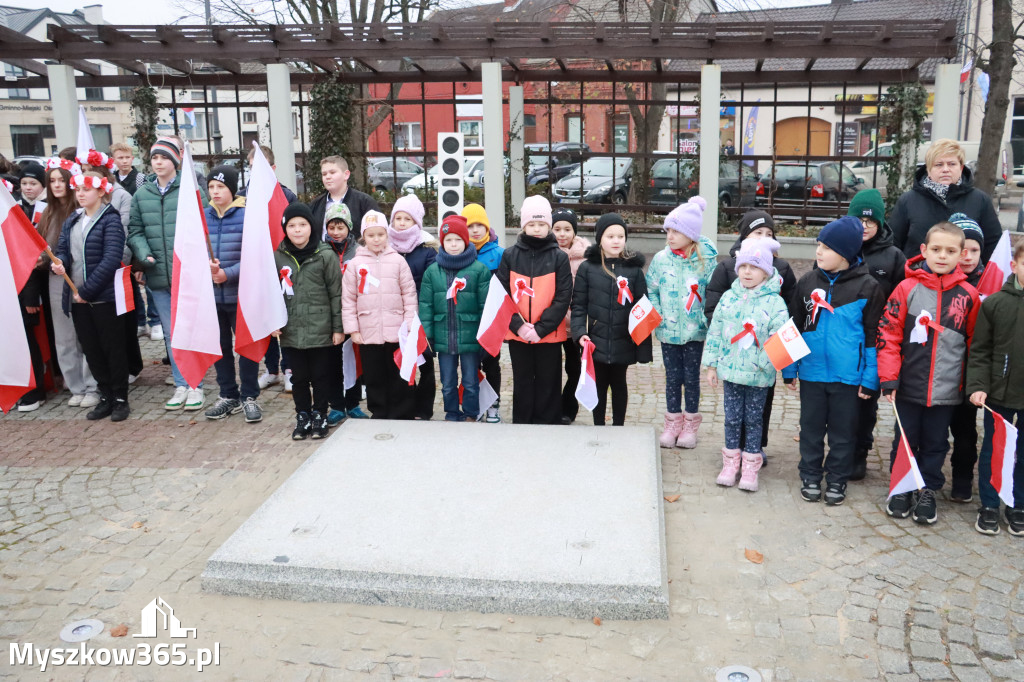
(314, 311)
(995, 363)
(440, 325)
(151, 228)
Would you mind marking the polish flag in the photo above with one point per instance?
(412, 341)
(586, 388)
(24, 243)
(498, 311)
(487, 394)
(351, 364)
(965, 70)
(1004, 456)
(261, 308)
(124, 296)
(905, 476)
(195, 331)
(997, 269)
(37, 211)
(85, 141)
(18, 254)
(786, 346)
(643, 319)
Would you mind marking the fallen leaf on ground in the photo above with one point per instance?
(137, 524)
(753, 556)
(672, 498)
(597, 621)
(192, 422)
(119, 630)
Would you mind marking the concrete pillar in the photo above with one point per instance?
(517, 176)
(494, 139)
(64, 100)
(710, 98)
(947, 90)
(279, 95)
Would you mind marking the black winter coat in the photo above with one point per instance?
(104, 246)
(358, 204)
(884, 261)
(725, 274)
(419, 259)
(544, 268)
(597, 313)
(920, 208)
(995, 364)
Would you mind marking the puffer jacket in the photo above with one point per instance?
(725, 274)
(451, 324)
(378, 312)
(669, 278)
(104, 246)
(931, 373)
(421, 258)
(314, 311)
(576, 252)
(226, 239)
(883, 260)
(766, 310)
(842, 342)
(920, 208)
(543, 268)
(597, 313)
(490, 255)
(996, 361)
(151, 230)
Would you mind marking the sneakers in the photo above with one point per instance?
(143, 330)
(268, 379)
(835, 494)
(356, 413)
(319, 427)
(493, 416)
(75, 400)
(224, 408)
(810, 490)
(253, 412)
(925, 511)
(961, 492)
(288, 381)
(335, 417)
(29, 406)
(1015, 521)
(751, 465)
(988, 521)
(899, 506)
(195, 400)
(730, 467)
(120, 411)
(90, 400)
(169, 379)
(303, 426)
(688, 436)
(156, 333)
(177, 400)
(102, 410)
(669, 433)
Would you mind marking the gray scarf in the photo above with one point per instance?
(938, 188)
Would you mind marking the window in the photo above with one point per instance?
(529, 128)
(32, 140)
(248, 117)
(198, 131)
(618, 129)
(407, 136)
(849, 179)
(94, 94)
(574, 129)
(1017, 135)
(101, 136)
(15, 72)
(295, 125)
(685, 134)
(472, 134)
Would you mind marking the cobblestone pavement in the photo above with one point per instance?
(97, 519)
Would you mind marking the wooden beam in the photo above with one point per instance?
(561, 65)
(862, 63)
(809, 63)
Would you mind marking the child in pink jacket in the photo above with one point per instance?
(378, 294)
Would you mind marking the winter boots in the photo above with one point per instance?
(688, 437)
(730, 467)
(680, 430)
(751, 465)
(673, 427)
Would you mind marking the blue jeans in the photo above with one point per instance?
(142, 310)
(987, 492)
(450, 365)
(274, 359)
(248, 371)
(682, 369)
(162, 299)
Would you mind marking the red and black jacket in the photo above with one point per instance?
(545, 293)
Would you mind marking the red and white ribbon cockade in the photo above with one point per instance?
(924, 322)
(92, 181)
(453, 291)
(818, 299)
(693, 286)
(286, 281)
(747, 337)
(69, 166)
(625, 295)
(521, 289)
(366, 278)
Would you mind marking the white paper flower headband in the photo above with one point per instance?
(101, 184)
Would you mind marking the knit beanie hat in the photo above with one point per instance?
(606, 221)
(759, 252)
(373, 219)
(411, 204)
(454, 224)
(687, 218)
(972, 230)
(338, 211)
(296, 209)
(752, 220)
(165, 146)
(535, 207)
(226, 175)
(868, 203)
(844, 236)
(35, 171)
(566, 214)
(475, 213)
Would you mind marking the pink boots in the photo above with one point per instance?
(688, 437)
(730, 467)
(673, 426)
(751, 465)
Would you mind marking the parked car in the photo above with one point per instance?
(22, 161)
(598, 180)
(673, 181)
(470, 166)
(793, 182)
(386, 174)
(564, 158)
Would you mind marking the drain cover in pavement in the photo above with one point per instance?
(81, 630)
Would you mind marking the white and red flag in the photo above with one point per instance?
(487, 394)
(997, 269)
(586, 388)
(786, 346)
(124, 295)
(412, 342)
(24, 243)
(643, 319)
(905, 476)
(261, 308)
(965, 70)
(625, 295)
(351, 363)
(498, 311)
(195, 331)
(1004, 457)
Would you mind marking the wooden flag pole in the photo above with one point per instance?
(57, 261)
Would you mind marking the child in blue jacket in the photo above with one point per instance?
(488, 252)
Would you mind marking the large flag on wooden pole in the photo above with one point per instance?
(195, 332)
(261, 309)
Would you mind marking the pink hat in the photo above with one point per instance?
(411, 204)
(758, 252)
(687, 218)
(535, 207)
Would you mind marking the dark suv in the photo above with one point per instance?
(791, 182)
(674, 181)
(564, 158)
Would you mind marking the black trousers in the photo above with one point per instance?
(614, 377)
(31, 320)
(867, 417)
(536, 382)
(573, 364)
(388, 395)
(491, 366)
(827, 408)
(964, 427)
(132, 350)
(426, 388)
(928, 435)
(311, 379)
(101, 332)
(340, 399)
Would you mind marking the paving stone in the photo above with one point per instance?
(932, 671)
